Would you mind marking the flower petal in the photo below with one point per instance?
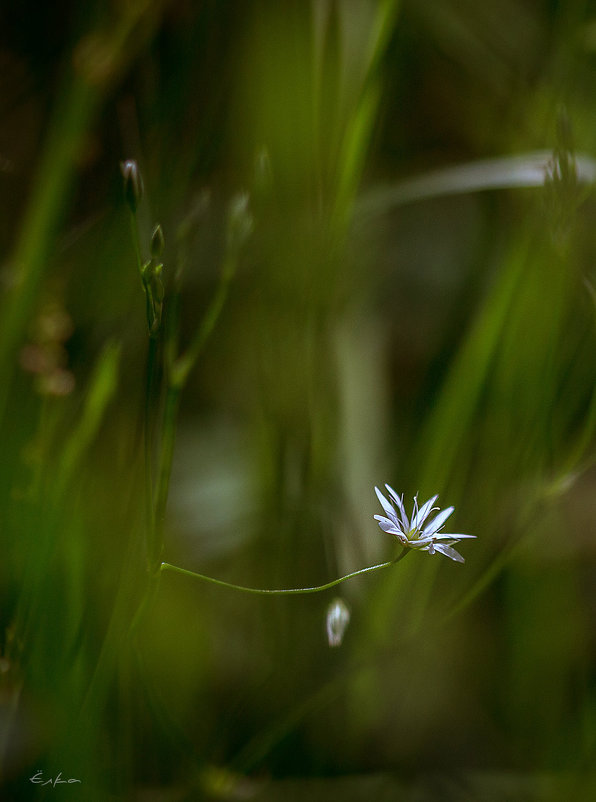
(422, 542)
(438, 521)
(449, 552)
(390, 511)
(400, 505)
(423, 513)
(412, 533)
(388, 526)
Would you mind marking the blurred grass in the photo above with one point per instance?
(441, 343)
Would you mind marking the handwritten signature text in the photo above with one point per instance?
(39, 779)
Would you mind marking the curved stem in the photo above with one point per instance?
(280, 591)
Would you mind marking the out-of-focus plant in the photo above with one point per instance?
(175, 371)
(323, 371)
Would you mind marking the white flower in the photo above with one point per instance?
(413, 534)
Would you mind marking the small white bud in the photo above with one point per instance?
(133, 183)
(338, 618)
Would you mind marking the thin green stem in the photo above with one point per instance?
(178, 370)
(172, 326)
(141, 264)
(148, 414)
(165, 471)
(148, 444)
(75, 109)
(279, 591)
(184, 364)
(134, 228)
(147, 600)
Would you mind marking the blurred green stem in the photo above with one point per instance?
(52, 189)
(152, 352)
(80, 95)
(279, 591)
(182, 366)
(134, 229)
(177, 372)
(165, 471)
(148, 444)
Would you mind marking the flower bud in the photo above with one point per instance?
(133, 183)
(338, 618)
(158, 242)
(146, 272)
(157, 284)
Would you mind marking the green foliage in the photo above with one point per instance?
(373, 263)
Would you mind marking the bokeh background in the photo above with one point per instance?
(435, 334)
